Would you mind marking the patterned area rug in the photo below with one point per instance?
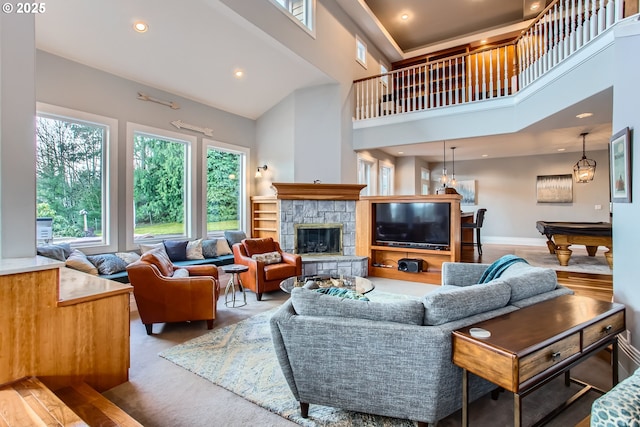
(580, 261)
(241, 359)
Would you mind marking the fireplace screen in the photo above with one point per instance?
(318, 239)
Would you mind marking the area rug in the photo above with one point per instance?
(241, 359)
(580, 261)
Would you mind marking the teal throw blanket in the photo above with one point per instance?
(496, 269)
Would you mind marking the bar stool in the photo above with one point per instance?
(234, 270)
(477, 225)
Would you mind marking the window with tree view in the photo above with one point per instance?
(70, 178)
(225, 189)
(159, 186)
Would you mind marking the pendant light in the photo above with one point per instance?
(585, 169)
(453, 181)
(443, 178)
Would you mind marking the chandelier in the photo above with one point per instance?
(585, 169)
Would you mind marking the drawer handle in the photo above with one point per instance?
(555, 356)
(607, 329)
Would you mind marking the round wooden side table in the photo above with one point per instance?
(234, 280)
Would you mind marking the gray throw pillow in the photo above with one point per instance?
(59, 251)
(209, 248)
(108, 263)
(310, 303)
(449, 303)
(234, 236)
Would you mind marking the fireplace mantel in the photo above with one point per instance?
(310, 191)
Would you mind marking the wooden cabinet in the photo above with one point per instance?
(383, 260)
(265, 217)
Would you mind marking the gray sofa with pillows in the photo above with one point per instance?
(113, 266)
(394, 359)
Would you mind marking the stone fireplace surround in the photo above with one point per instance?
(322, 204)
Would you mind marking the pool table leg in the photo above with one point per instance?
(609, 256)
(563, 253)
(591, 250)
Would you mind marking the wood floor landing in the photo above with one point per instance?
(29, 402)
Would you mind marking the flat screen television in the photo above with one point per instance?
(423, 225)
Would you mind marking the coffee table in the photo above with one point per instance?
(358, 284)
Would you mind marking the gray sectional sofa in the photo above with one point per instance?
(394, 359)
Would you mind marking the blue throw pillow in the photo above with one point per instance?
(209, 248)
(342, 293)
(234, 236)
(176, 249)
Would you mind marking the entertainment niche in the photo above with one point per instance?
(425, 228)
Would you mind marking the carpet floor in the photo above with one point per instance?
(580, 261)
(241, 359)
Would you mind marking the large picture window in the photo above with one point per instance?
(161, 184)
(226, 187)
(75, 184)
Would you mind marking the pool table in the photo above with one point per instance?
(561, 235)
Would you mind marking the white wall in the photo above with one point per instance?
(507, 189)
(626, 94)
(17, 130)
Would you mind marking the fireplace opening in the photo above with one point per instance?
(318, 239)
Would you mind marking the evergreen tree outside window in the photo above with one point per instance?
(225, 191)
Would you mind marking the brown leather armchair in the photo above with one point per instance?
(162, 296)
(263, 276)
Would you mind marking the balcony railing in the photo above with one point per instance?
(561, 29)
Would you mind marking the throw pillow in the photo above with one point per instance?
(222, 247)
(176, 249)
(144, 248)
(259, 246)
(310, 303)
(59, 251)
(449, 303)
(209, 248)
(79, 261)
(180, 272)
(234, 236)
(268, 258)
(128, 257)
(194, 249)
(108, 263)
(526, 280)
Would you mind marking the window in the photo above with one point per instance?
(225, 192)
(385, 78)
(161, 182)
(301, 12)
(425, 177)
(367, 174)
(361, 52)
(76, 183)
(386, 179)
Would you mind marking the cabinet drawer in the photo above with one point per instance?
(611, 325)
(548, 356)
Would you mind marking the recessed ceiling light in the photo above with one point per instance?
(140, 26)
(535, 6)
(404, 16)
(584, 115)
(400, 152)
(561, 149)
(483, 41)
(238, 73)
(485, 155)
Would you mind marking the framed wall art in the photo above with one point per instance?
(467, 189)
(620, 166)
(554, 188)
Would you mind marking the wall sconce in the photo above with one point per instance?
(259, 171)
(585, 169)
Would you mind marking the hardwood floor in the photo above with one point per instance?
(599, 286)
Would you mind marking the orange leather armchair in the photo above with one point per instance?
(263, 276)
(162, 296)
